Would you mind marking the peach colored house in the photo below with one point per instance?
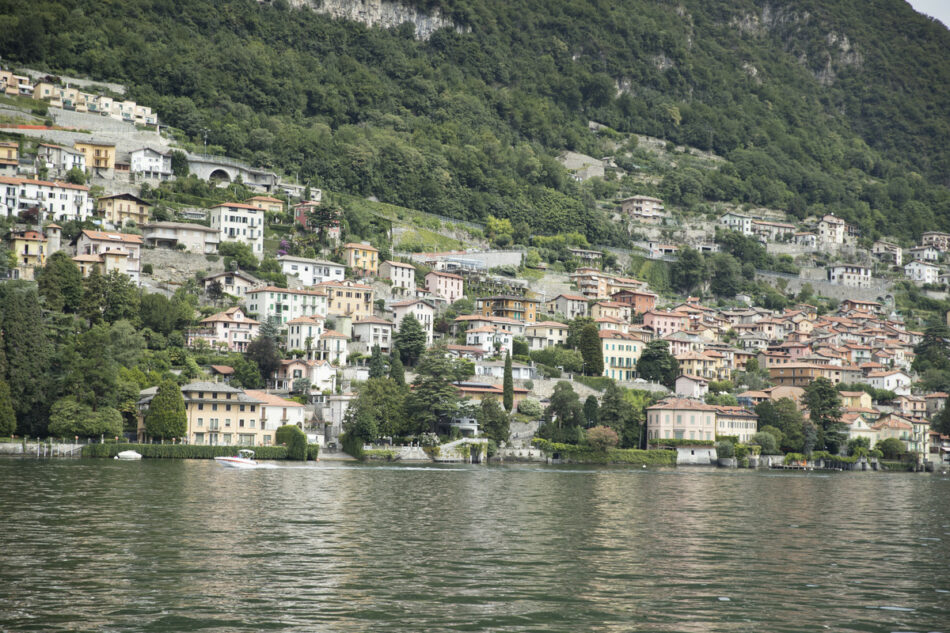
(231, 329)
(445, 285)
(663, 322)
(681, 419)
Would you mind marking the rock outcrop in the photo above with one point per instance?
(382, 13)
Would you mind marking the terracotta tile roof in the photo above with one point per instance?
(272, 400)
(7, 180)
(111, 236)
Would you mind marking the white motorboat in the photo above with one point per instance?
(243, 459)
(128, 455)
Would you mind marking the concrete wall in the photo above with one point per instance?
(176, 266)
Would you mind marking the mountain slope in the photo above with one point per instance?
(818, 105)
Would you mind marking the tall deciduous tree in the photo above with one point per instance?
(508, 386)
(493, 422)
(263, 352)
(60, 283)
(689, 270)
(592, 350)
(824, 411)
(656, 363)
(725, 275)
(166, 417)
(411, 339)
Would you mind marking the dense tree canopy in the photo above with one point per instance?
(815, 105)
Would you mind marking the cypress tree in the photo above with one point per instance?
(591, 350)
(7, 416)
(28, 353)
(411, 339)
(166, 412)
(377, 366)
(508, 387)
(396, 370)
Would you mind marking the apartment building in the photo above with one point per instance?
(238, 222)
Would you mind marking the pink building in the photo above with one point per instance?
(231, 329)
(445, 285)
(664, 323)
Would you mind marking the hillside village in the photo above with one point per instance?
(339, 300)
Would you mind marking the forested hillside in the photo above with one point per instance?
(818, 105)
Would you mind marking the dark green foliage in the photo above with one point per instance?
(519, 347)
(467, 124)
(7, 415)
(824, 408)
(411, 339)
(591, 350)
(572, 453)
(180, 451)
(784, 416)
(28, 354)
(239, 254)
(60, 283)
(109, 297)
(508, 385)
(892, 448)
(294, 439)
(262, 351)
(434, 398)
(493, 422)
(246, 374)
(377, 365)
(396, 371)
(569, 359)
(379, 410)
(591, 411)
(165, 417)
(69, 417)
(658, 364)
(941, 421)
(564, 415)
(689, 271)
(724, 275)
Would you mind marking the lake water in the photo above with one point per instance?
(97, 545)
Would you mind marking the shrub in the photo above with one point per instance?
(294, 439)
(313, 452)
(146, 269)
(529, 407)
(725, 449)
(352, 445)
(602, 437)
(588, 455)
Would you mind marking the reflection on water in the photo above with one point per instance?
(173, 546)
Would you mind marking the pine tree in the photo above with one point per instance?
(411, 339)
(377, 365)
(592, 350)
(166, 416)
(508, 386)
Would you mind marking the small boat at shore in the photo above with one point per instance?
(129, 455)
(243, 459)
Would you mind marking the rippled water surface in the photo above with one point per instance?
(185, 546)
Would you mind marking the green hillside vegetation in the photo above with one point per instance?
(816, 105)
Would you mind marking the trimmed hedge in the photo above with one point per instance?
(181, 451)
(587, 455)
(352, 445)
(313, 452)
(294, 439)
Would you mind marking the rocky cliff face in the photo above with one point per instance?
(381, 13)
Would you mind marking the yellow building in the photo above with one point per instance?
(121, 207)
(105, 262)
(99, 156)
(217, 414)
(267, 203)
(9, 158)
(621, 353)
(509, 307)
(29, 247)
(348, 298)
(362, 257)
